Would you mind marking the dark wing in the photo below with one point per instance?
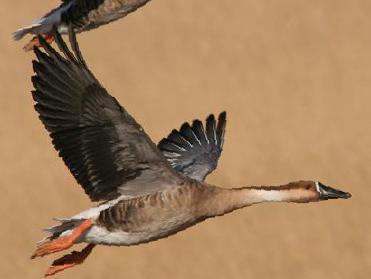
(105, 149)
(88, 14)
(195, 150)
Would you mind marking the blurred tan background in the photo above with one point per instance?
(295, 79)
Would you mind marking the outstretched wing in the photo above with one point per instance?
(105, 149)
(195, 150)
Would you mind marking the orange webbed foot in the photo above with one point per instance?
(62, 243)
(35, 42)
(70, 260)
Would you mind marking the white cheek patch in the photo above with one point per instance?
(318, 187)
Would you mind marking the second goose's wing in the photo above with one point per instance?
(88, 14)
(105, 149)
(195, 150)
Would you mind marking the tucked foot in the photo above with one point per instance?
(35, 42)
(62, 243)
(70, 260)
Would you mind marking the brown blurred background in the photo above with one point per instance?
(295, 79)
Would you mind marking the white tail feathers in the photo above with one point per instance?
(32, 29)
(45, 24)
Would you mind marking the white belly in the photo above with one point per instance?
(100, 235)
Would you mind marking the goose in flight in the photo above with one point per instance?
(82, 14)
(144, 192)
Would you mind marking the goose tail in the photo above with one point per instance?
(32, 29)
(64, 227)
(44, 25)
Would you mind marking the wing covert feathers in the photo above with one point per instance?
(105, 149)
(194, 150)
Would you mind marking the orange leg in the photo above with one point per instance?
(62, 243)
(35, 42)
(70, 260)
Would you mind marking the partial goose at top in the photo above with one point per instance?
(144, 192)
(83, 15)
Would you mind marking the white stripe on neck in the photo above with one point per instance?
(270, 196)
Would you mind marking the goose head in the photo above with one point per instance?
(312, 191)
(306, 191)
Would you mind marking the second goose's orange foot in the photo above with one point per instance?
(70, 260)
(62, 243)
(35, 42)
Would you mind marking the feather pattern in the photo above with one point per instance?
(195, 150)
(105, 149)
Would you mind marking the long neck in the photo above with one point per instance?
(226, 200)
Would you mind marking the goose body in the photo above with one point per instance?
(83, 15)
(143, 219)
(144, 192)
(134, 221)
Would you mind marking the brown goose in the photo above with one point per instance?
(144, 192)
(82, 14)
